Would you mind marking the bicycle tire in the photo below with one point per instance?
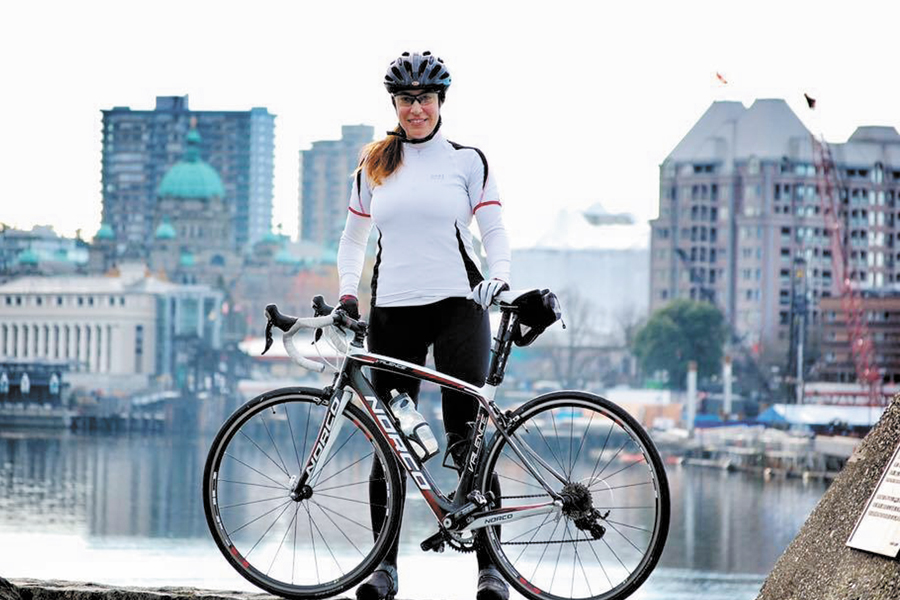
(252, 517)
(576, 433)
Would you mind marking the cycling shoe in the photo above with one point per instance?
(491, 585)
(381, 585)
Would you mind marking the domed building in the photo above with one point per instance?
(193, 240)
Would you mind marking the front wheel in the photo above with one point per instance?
(316, 545)
(611, 530)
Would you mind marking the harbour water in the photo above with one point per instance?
(126, 510)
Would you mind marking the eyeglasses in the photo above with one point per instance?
(407, 100)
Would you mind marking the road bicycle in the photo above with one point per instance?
(583, 510)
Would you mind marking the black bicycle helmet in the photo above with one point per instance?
(414, 71)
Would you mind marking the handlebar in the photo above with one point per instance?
(326, 316)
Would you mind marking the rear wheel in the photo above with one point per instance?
(611, 530)
(322, 543)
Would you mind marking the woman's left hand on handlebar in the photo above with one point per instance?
(485, 292)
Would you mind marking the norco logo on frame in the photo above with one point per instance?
(496, 519)
(327, 426)
(385, 421)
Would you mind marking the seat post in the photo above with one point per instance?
(502, 345)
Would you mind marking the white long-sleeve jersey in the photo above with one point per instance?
(422, 213)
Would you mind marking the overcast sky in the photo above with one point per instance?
(572, 102)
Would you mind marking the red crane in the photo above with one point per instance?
(862, 348)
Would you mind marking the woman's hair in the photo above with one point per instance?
(382, 158)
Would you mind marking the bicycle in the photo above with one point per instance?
(584, 507)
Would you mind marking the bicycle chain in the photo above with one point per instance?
(547, 542)
(527, 496)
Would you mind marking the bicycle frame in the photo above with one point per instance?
(352, 376)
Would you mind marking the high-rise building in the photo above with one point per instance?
(739, 210)
(325, 183)
(139, 147)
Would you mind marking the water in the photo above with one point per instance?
(126, 510)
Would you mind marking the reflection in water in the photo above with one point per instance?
(725, 527)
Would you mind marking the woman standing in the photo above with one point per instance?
(421, 192)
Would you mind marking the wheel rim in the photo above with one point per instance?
(319, 545)
(603, 457)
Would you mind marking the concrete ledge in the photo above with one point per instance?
(818, 565)
(30, 589)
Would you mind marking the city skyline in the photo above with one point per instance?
(578, 123)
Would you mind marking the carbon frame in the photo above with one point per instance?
(381, 414)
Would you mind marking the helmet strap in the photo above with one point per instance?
(402, 134)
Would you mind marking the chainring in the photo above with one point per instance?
(464, 546)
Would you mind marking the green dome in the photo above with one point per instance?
(187, 259)
(271, 238)
(28, 257)
(105, 232)
(191, 177)
(165, 231)
(284, 257)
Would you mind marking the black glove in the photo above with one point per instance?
(350, 305)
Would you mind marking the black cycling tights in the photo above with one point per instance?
(460, 333)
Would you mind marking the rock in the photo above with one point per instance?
(817, 564)
(30, 589)
(8, 591)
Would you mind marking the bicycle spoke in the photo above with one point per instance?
(602, 450)
(609, 462)
(522, 482)
(583, 439)
(351, 500)
(312, 539)
(571, 441)
(644, 529)
(637, 462)
(287, 416)
(625, 537)
(619, 487)
(268, 512)
(281, 543)
(223, 506)
(523, 534)
(524, 548)
(274, 445)
(614, 553)
(600, 564)
(277, 466)
(282, 486)
(546, 443)
(343, 516)
(335, 452)
(268, 529)
(354, 463)
(271, 487)
(294, 557)
(540, 560)
(327, 545)
(583, 571)
(346, 485)
(556, 566)
(346, 537)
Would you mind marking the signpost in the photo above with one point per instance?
(878, 529)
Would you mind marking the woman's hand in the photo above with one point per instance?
(350, 305)
(485, 292)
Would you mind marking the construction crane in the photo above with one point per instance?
(862, 348)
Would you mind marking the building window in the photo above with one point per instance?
(138, 348)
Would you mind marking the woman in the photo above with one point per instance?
(421, 191)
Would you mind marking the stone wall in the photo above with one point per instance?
(818, 565)
(27, 589)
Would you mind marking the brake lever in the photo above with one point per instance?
(268, 336)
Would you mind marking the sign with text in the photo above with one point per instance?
(878, 529)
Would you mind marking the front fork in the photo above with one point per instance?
(301, 484)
